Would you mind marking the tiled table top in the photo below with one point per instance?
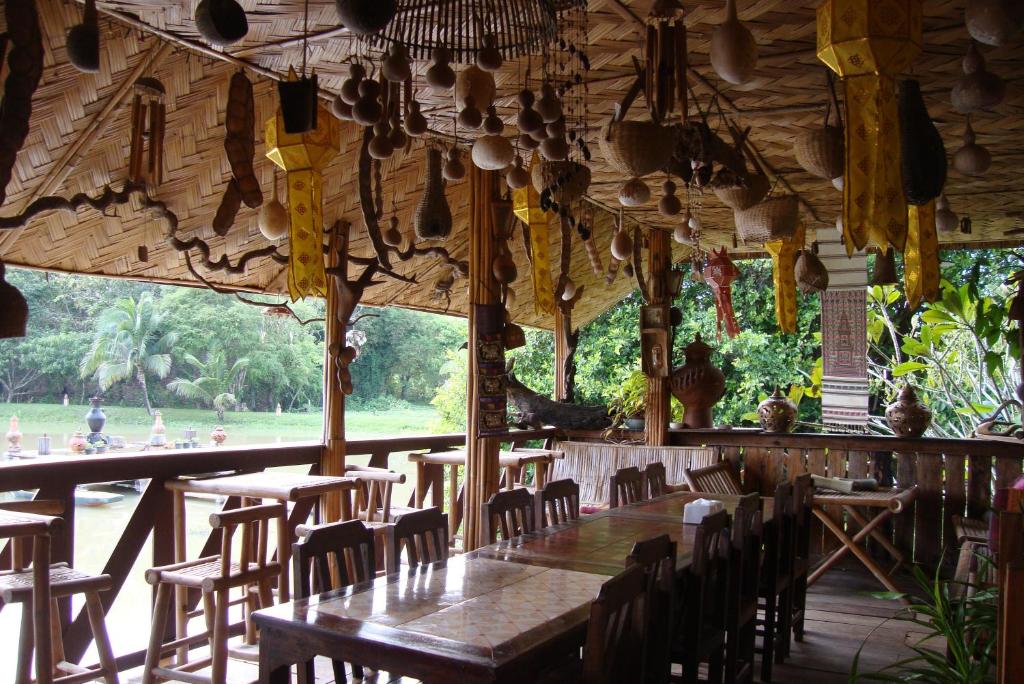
(670, 507)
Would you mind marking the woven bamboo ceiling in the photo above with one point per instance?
(79, 137)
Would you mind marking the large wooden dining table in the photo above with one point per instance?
(497, 614)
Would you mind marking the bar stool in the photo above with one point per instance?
(38, 593)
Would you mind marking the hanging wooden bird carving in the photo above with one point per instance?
(149, 115)
(719, 272)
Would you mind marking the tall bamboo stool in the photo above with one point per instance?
(41, 587)
(215, 577)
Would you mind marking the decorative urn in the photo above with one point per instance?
(908, 416)
(218, 435)
(14, 437)
(158, 433)
(776, 413)
(96, 418)
(77, 443)
(698, 385)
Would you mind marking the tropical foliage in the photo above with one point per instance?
(216, 384)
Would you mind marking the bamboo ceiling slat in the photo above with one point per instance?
(786, 96)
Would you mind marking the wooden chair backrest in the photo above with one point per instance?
(656, 477)
(373, 495)
(717, 478)
(332, 556)
(803, 500)
(423, 535)
(626, 486)
(558, 502)
(657, 556)
(707, 591)
(255, 523)
(510, 512)
(747, 538)
(20, 546)
(613, 651)
(778, 550)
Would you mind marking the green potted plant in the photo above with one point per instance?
(676, 414)
(630, 403)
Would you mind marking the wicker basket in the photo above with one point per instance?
(775, 218)
(820, 151)
(575, 179)
(811, 274)
(738, 197)
(637, 148)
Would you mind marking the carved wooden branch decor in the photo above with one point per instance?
(25, 58)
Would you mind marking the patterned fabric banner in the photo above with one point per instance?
(526, 205)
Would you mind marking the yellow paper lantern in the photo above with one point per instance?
(304, 156)
(526, 206)
(868, 43)
(783, 253)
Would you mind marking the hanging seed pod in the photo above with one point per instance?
(628, 269)
(476, 83)
(549, 106)
(454, 169)
(350, 86)
(365, 17)
(433, 218)
(469, 116)
(556, 129)
(517, 177)
(440, 76)
(415, 122)
(392, 236)
(837, 183)
(733, 48)
(694, 224)
(972, 159)
(884, 272)
(510, 298)
(341, 109)
(380, 145)
(221, 22)
(83, 41)
(569, 291)
(273, 217)
(811, 274)
(395, 66)
(527, 142)
(554, 149)
(504, 268)
(367, 110)
(488, 57)
(397, 136)
(528, 120)
(682, 234)
(493, 125)
(946, 220)
(634, 193)
(923, 156)
(994, 22)
(492, 153)
(978, 88)
(669, 205)
(622, 245)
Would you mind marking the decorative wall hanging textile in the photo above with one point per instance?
(304, 156)
(526, 206)
(921, 255)
(719, 273)
(868, 43)
(492, 398)
(784, 276)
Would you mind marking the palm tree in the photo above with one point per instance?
(215, 384)
(129, 343)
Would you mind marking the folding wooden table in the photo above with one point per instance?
(888, 502)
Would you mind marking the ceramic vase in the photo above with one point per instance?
(776, 413)
(218, 435)
(158, 433)
(96, 418)
(908, 416)
(13, 437)
(77, 443)
(698, 385)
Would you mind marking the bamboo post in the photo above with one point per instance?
(657, 409)
(332, 459)
(481, 480)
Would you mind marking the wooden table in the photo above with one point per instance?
(430, 475)
(887, 502)
(282, 487)
(670, 506)
(40, 528)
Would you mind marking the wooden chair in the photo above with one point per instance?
(512, 509)
(330, 557)
(373, 496)
(658, 558)
(972, 540)
(613, 652)
(215, 577)
(424, 536)
(626, 486)
(17, 585)
(656, 480)
(776, 573)
(717, 478)
(747, 535)
(557, 502)
(796, 598)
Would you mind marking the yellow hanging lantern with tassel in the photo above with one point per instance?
(526, 206)
(868, 43)
(921, 276)
(783, 253)
(303, 157)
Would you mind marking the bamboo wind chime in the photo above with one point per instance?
(665, 61)
(149, 117)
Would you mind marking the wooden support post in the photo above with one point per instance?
(332, 459)
(658, 391)
(481, 479)
(566, 340)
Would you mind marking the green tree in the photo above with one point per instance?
(130, 342)
(216, 384)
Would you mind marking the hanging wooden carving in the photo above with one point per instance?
(149, 116)
(25, 68)
(719, 272)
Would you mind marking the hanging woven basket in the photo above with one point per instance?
(811, 274)
(820, 151)
(567, 180)
(637, 148)
(742, 193)
(776, 218)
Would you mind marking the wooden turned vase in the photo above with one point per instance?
(698, 385)
(776, 413)
(908, 416)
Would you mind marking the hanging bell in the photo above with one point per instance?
(884, 272)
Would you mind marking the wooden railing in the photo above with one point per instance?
(953, 476)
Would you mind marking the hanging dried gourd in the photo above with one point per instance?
(867, 43)
(811, 274)
(719, 272)
(83, 41)
(783, 253)
(979, 88)
(149, 116)
(665, 61)
(433, 217)
(240, 138)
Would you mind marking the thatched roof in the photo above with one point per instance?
(79, 137)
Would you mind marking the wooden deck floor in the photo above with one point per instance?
(841, 615)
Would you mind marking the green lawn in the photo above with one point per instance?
(60, 422)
